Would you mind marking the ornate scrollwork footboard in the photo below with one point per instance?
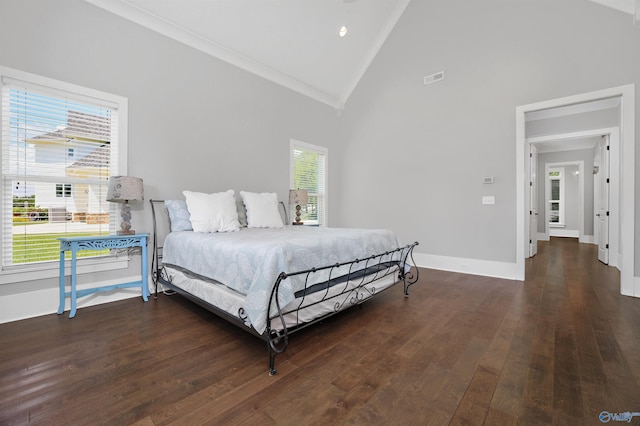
(340, 291)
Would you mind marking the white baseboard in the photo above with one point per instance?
(14, 307)
(587, 239)
(561, 232)
(467, 266)
(543, 236)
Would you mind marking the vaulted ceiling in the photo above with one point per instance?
(295, 43)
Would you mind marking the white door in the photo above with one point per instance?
(601, 199)
(533, 200)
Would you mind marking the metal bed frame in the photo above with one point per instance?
(354, 288)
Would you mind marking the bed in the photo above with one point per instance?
(273, 281)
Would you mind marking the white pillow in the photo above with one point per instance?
(212, 212)
(262, 210)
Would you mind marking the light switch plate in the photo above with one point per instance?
(488, 199)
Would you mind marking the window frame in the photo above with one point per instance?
(50, 269)
(560, 200)
(63, 190)
(323, 210)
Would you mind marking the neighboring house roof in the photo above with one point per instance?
(97, 158)
(80, 125)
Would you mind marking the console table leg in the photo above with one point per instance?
(72, 313)
(62, 298)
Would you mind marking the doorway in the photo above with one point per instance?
(625, 156)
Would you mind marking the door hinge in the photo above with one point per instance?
(530, 212)
(607, 213)
(530, 241)
(607, 180)
(530, 183)
(607, 147)
(606, 246)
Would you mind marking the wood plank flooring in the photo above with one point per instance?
(559, 348)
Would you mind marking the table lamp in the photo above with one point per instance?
(123, 189)
(298, 197)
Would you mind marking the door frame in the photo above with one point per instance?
(626, 173)
(547, 189)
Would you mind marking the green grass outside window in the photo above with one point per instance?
(31, 248)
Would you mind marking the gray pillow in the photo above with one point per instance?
(178, 215)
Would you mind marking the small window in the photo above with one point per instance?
(556, 197)
(63, 190)
(309, 171)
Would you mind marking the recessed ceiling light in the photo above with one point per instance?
(343, 31)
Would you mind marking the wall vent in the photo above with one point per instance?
(428, 79)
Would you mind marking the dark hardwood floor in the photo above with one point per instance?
(559, 348)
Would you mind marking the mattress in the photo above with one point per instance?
(304, 308)
(249, 261)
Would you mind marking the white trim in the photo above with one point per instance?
(628, 284)
(196, 41)
(547, 191)
(461, 265)
(561, 232)
(321, 150)
(614, 188)
(561, 165)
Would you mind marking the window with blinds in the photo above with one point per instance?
(59, 147)
(556, 199)
(309, 171)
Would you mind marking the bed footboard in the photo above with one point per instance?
(364, 279)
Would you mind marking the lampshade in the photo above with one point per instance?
(125, 188)
(298, 196)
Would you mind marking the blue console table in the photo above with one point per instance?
(99, 242)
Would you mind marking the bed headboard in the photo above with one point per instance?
(162, 227)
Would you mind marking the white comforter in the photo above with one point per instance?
(249, 261)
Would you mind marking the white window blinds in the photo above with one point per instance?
(58, 150)
(309, 171)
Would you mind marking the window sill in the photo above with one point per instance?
(52, 269)
(556, 225)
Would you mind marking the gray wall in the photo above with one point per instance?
(574, 123)
(435, 143)
(403, 155)
(195, 122)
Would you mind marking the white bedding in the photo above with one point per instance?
(249, 261)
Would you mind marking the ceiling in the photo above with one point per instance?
(294, 43)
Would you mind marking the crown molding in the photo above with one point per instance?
(626, 6)
(153, 22)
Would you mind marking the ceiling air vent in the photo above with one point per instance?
(433, 78)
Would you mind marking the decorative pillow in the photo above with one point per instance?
(262, 210)
(178, 215)
(242, 212)
(212, 212)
